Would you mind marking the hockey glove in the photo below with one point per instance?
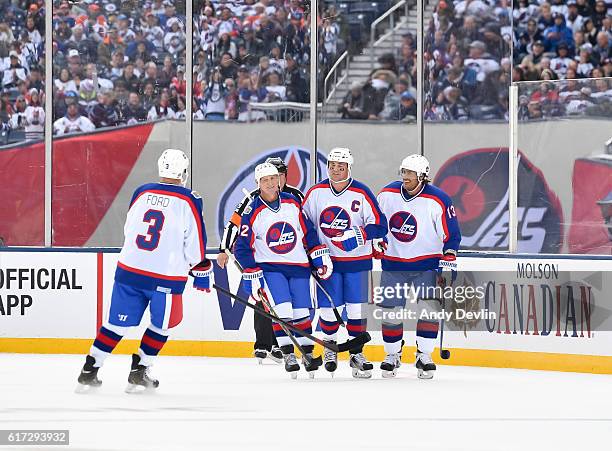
(447, 263)
(253, 281)
(350, 239)
(322, 261)
(202, 273)
(379, 246)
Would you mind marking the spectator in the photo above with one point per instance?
(214, 97)
(162, 109)
(104, 113)
(231, 100)
(297, 87)
(392, 101)
(133, 112)
(15, 71)
(275, 92)
(561, 62)
(354, 105)
(558, 33)
(73, 122)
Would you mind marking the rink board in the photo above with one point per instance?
(53, 301)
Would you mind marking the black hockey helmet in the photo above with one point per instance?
(278, 163)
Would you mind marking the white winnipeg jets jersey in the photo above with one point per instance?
(164, 237)
(275, 237)
(334, 212)
(421, 227)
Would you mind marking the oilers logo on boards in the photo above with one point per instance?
(281, 237)
(403, 226)
(334, 220)
(297, 160)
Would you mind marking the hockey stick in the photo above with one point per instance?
(444, 353)
(318, 361)
(353, 343)
(327, 295)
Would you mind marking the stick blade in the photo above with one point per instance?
(353, 343)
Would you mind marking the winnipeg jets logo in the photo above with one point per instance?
(403, 226)
(281, 237)
(334, 220)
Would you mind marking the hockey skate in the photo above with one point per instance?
(276, 355)
(291, 365)
(88, 379)
(362, 369)
(139, 379)
(424, 365)
(260, 355)
(390, 365)
(330, 359)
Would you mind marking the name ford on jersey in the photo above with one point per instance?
(281, 237)
(403, 226)
(334, 220)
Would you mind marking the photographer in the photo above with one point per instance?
(214, 97)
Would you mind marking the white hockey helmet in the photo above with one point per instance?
(264, 170)
(417, 163)
(340, 155)
(173, 164)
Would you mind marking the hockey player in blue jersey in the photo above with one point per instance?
(273, 247)
(347, 217)
(165, 239)
(423, 232)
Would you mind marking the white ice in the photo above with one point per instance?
(235, 404)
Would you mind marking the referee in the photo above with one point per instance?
(265, 341)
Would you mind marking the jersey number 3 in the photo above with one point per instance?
(150, 241)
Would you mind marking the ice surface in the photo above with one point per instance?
(235, 404)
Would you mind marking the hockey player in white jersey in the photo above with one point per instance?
(165, 239)
(347, 217)
(423, 231)
(273, 246)
(265, 341)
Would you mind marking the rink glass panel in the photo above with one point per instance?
(362, 106)
(98, 162)
(564, 132)
(241, 111)
(22, 158)
(467, 72)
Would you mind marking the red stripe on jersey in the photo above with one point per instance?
(276, 327)
(350, 259)
(369, 200)
(194, 210)
(444, 225)
(390, 190)
(176, 311)
(312, 188)
(151, 274)
(414, 259)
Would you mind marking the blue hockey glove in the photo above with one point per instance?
(350, 239)
(322, 261)
(253, 281)
(202, 273)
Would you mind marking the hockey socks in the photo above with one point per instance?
(152, 342)
(106, 341)
(426, 334)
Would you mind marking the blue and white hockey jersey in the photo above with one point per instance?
(164, 237)
(275, 237)
(333, 212)
(421, 227)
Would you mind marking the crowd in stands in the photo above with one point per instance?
(468, 55)
(123, 62)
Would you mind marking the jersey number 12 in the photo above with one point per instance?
(150, 241)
